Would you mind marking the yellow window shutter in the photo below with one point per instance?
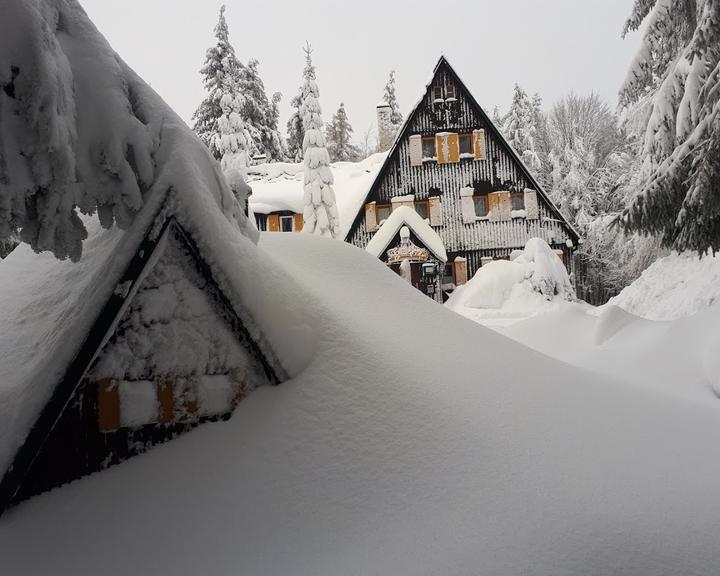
(166, 401)
(531, 204)
(416, 150)
(442, 149)
(435, 209)
(454, 146)
(479, 144)
(460, 268)
(505, 205)
(298, 222)
(273, 223)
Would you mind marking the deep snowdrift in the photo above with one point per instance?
(415, 442)
(503, 292)
(674, 286)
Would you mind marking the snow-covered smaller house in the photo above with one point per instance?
(408, 245)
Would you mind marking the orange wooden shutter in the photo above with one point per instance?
(494, 205)
(460, 271)
(371, 217)
(298, 222)
(441, 148)
(274, 223)
(166, 401)
(108, 405)
(454, 145)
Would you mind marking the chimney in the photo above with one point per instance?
(386, 129)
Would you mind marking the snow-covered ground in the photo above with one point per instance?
(413, 442)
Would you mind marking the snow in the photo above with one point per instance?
(138, 402)
(673, 286)
(406, 216)
(502, 292)
(279, 186)
(373, 460)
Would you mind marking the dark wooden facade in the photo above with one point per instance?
(69, 439)
(500, 170)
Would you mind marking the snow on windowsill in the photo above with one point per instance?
(518, 213)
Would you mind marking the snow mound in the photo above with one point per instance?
(535, 280)
(673, 286)
(471, 454)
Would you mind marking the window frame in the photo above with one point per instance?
(515, 195)
(450, 87)
(484, 198)
(425, 203)
(378, 207)
(292, 223)
(438, 89)
(471, 152)
(422, 148)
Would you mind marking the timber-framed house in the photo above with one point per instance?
(452, 165)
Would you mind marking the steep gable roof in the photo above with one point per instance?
(443, 64)
(406, 216)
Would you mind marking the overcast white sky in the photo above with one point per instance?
(547, 46)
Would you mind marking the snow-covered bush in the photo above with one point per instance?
(515, 288)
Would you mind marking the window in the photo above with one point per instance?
(286, 223)
(517, 200)
(438, 92)
(466, 144)
(448, 274)
(481, 206)
(421, 207)
(428, 147)
(450, 91)
(382, 212)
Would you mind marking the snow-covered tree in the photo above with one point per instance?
(231, 138)
(339, 138)
(77, 130)
(519, 128)
(674, 87)
(320, 214)
(390, 98)
(295, 130)
(220, 73)
(260, 113)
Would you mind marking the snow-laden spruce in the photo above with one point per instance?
(320, 214)
(519, 127)
(339, 138)
(672, 90)
(390, 99)
(231, 136)
(220, 78)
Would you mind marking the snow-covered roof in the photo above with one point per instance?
(278, 186)
(47, 306)
(406, 216)
(413, 442)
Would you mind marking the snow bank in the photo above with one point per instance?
(673, 286)
(279, 186)
(504, 291)
(478, 456)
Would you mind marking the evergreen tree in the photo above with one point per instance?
(320, 214)
(673, 92)
(519, 128)
(219, 73)
(296, 132)
(390, 98)
(260, 113)
(231, 137)
(339, 135)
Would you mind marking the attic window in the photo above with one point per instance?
(382, 212)
(481, 206)
(517, 200)
(449, 91)
(438, 92)
(466, 145)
